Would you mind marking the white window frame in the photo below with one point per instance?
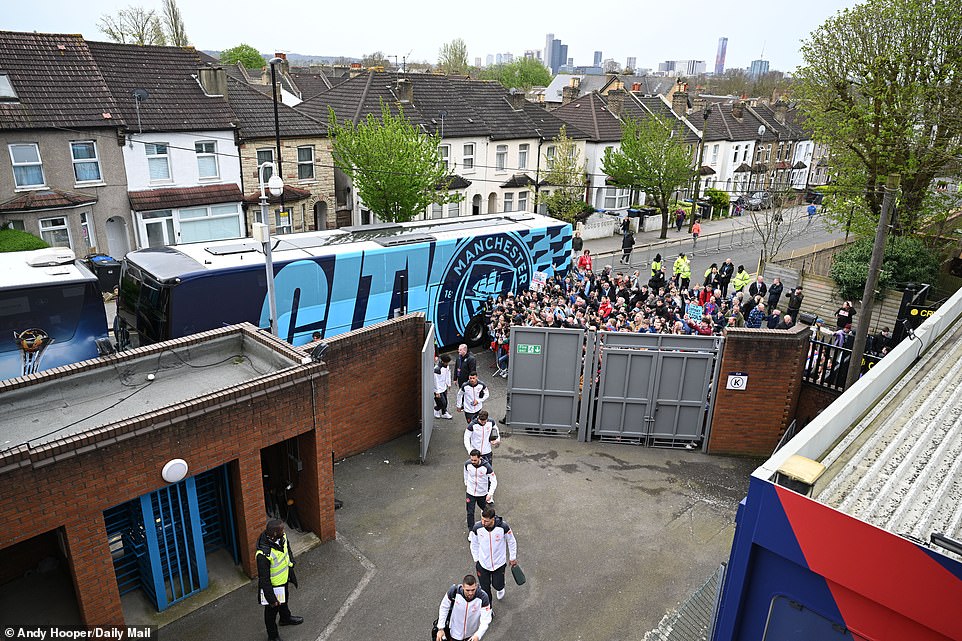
(501, 157)
(155, 156)
(306, 163)
(86, 161)
(508, 202)
(523, 149)
(445, 151)
(279, 215)
(43, 179)
(87, 229)
(454, 209)
(62, 226)
(467, 160)
(205, 155)
(549, 153)
(714, 154)
(523, 200)
(735, 156)
(616, 198)
(437, 211)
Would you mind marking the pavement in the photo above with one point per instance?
(611, 537)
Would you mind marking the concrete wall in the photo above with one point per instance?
(749, 422)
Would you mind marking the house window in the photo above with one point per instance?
(437, 210)
(305, 162)
(158, 161)
(7, 92)
(509, 202)
(549, 153)
(714, 154)
(522, 201)
(87, 230)
(214, 222)
(265, 155)
(54, 231)
(206, 159)
(745, 154)
(282, 220)
(616, 198)
(14, 224)
(735, 157)
(501, 157)
(523, 156)
(86, 165)
(446, 156)
(27, 166)
(454, 210)
(467, 161)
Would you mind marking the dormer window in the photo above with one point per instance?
(7, 92)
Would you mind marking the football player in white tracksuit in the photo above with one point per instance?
(479, 485)
(471, 396)
(493, 547)
(482, 434)
(464, 613)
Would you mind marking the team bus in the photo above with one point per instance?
(51, 311)
(340, 280)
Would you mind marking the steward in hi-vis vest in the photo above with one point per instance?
(275, 569)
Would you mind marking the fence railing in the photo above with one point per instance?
(827, 365)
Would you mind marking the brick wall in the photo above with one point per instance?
(750, 422)
(374, 377)
(812, 399)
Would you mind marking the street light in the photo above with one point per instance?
(275, 91)
(262, 234)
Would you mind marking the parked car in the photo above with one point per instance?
(814, 197)
(758, 200)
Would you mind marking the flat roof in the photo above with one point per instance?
(50, 406)
(239, 252)
(15, 272)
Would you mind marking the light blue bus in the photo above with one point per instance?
(340, 280)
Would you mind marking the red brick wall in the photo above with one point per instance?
(374, 375)
(750, 422)
(26, 555)
(812, 399)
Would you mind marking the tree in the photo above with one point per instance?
(907, 260)
(396, 169)
(244, 54)
(880, 85)
(567, 175)
(376, 59)
(133, 25)
(777, 225)
(453, 58)
(174, 27)
(653, 157)
(522, 74)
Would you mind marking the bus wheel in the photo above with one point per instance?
(475, 331)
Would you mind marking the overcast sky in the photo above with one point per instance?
(651, 31)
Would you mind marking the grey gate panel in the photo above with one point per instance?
(653, 388)
(427, 390)
(544, 379)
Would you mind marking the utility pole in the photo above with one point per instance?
(871, 282)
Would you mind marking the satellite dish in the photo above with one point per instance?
(761, 130)
(140, 95)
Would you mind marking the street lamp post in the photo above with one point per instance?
(275, 96)
(262, 234)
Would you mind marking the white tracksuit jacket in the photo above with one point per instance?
(477, 436)
(493, 549)
(480, 480)
(472, 397)
(467, 617)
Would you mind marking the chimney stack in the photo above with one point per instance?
(738, 109)
(282, 67)
(679, 103)
(213, 80)
(355, 70)
(635, 87)
(781, 111)
(405, 91)
(616, 102)
(569, 93)
(516, 99)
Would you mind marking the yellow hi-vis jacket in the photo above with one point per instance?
(281, 563)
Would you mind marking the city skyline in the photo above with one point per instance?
(420, 30)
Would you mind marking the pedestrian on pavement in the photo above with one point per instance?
(627, 244)
(741, 279)
(725, 273)
(471, 397)
(465, 365)
(695, 233)
(811, 212)
(482, 434)
(795, 302)
(442, 381)
(493, 548)
(465, 612)
(625, 225)
(681, 271)
(275, 569)
(479, 485)
(679, 218)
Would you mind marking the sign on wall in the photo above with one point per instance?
(737, 381)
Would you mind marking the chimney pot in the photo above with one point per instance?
(405, 91)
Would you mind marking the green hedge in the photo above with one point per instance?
(907, 260)
(14, 240)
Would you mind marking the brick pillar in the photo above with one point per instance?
(249, 509)
(315, 494)
(92, 570)
(749, 422)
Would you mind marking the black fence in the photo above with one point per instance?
(827, 365)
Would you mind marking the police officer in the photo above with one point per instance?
(275, 569)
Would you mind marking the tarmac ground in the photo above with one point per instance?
(610, 536)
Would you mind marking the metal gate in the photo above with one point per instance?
(159, 541)
(544, 378)
(427, 390)
(653, 389)
(647, 389)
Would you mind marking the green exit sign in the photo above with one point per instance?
(529, 349)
